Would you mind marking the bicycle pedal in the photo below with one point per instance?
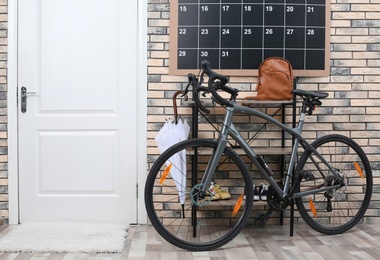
(261, 219)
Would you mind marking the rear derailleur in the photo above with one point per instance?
(330, 181)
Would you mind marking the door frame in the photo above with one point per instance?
(13, 146)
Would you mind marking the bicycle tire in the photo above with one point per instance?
(336, 211)
(215, 223)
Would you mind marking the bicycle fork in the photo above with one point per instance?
(214, 159)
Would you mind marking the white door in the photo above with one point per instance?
(77, 137)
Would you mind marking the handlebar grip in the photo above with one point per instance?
(222, 101)
(215, 85)
(212, 74)
(194, 82)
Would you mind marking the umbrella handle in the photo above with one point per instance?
(175, 103)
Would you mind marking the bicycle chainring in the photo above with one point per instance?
(274, 201)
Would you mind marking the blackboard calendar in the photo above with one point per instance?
(237, 35)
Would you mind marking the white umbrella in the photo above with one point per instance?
(169, 135)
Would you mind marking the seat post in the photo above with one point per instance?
(305, 105)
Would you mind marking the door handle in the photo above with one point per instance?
(24, 97)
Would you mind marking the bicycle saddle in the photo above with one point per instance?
(310, 94)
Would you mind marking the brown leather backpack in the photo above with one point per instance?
(275, 80)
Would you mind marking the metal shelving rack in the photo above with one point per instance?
(267, 151)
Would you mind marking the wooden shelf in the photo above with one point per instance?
(252, 103)
(267, 103)
(232, 201)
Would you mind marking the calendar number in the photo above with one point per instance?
(204, 31)
(225, 31)
(204, 53)
(269, 31)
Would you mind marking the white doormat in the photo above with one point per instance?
(64, 237)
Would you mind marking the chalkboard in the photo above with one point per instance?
(237, 35)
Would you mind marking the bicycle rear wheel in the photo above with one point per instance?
(182, 214)
(338, 210)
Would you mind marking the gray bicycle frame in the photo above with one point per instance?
(229, 129)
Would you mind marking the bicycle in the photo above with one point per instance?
(331, 182)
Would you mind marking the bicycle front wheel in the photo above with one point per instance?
(183, 214)
(338, 210)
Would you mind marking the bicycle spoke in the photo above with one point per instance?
(208, 219)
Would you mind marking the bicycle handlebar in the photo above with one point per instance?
(212, 74)
(193, 81)
(215, 81)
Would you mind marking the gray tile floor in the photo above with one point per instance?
(268, 242)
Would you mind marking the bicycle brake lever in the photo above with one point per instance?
(205, 92)
(186, 90)
(192, 79)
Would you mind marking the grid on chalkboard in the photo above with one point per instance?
(237, 35)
